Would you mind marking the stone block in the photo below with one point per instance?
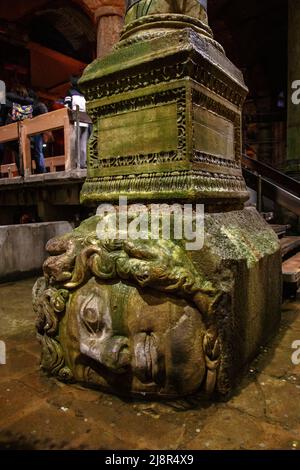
(22, 247)
(146, 317)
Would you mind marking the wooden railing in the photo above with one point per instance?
(22, 131)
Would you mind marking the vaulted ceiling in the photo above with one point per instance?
(253, 32)
(64, 25)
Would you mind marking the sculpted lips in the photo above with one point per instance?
(145, 362)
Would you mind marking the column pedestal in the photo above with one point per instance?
(142, 312)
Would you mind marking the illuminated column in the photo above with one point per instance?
(109, 25)
(293, 125)
(151, 313)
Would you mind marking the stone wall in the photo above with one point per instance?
(22, 247)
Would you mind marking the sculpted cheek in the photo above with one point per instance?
(97, 339)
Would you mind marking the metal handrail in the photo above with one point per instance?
(280, 188)
(286, 182)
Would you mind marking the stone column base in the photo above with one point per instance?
(148, 317)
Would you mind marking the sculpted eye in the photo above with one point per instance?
(90, 315)
(94, 315)
(92, 319)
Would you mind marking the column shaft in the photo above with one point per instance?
(293, 124)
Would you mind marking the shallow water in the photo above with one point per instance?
(16, 312)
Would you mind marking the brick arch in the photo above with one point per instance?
(74, 26)
(106, 15)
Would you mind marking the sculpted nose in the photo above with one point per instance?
(112, 352)
(115, 353)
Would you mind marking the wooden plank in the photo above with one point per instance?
(289, 244)
(38, 125)
(291, 270)
(70, 145)
(10, 169)
(46, 122)
(58, 56)
(9, 133)
(25, 150)
(52, 163)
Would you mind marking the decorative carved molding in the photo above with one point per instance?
(146, 36)
(193, 165)
(170, 20)
(132, 160)
(204, 182)
(201, 157)
(208, 102)
(202, 72)
(177, 95)
(107, 180)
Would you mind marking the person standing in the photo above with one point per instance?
(18, 107)
(39, 108)
(72, 100)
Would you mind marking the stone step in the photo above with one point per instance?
(289, 244)
(291, 270)
(280, 230)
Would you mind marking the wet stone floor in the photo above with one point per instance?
(37, 412)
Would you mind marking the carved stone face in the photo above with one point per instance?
(119, 337)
